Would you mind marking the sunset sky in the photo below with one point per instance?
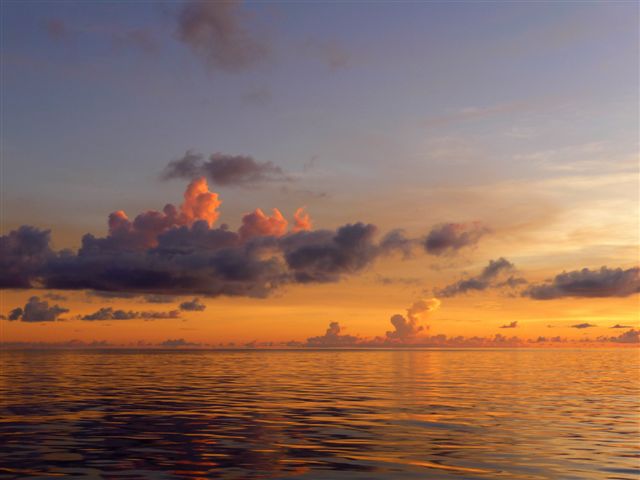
(468, 168)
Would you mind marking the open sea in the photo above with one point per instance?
(334, 414)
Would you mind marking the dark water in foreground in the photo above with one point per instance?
(557, 414)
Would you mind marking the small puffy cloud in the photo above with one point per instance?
(108, 313)
(510, 325)
(332, 338)
(486, 279)
(583, 325)
(586, 283)
(257, 224)
(194, 305)
(36, 310)
(301, 220)
(406, 329)
(220, 34)
(224, 170)
(448, 238)
(617, 325)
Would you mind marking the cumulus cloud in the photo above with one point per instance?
(583, 325)
(257, 224)
(36, 310)
(510, 325)
(332, 338)
(178, 251)
(606, 282)
(406, 329)
(486, 278)
(448, 238)
(632, 336)
(22, 252)
(220, 34)
(224, 170)
(194, 305)
(108, 313)
(301, 220)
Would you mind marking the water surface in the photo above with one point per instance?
(485, 414)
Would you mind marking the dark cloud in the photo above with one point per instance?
(194, 305)
(222, 169)
(196, 259)
(632, 336)
(583, 325)
(332, 338)
(484, 280)
(510, 325)
(108, 313)
(22, 253)
(178, 342)
(617, 325)
(606, 282)
(448, 238)
(36, 310)
(220, 33)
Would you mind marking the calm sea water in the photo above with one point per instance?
(516, 414)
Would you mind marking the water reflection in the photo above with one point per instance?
(320, 414)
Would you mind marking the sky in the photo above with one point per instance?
(458, 169)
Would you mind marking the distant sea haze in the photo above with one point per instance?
(313, 414)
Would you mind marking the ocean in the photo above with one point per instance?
(321, 414)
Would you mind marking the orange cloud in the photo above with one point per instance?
(301, 220)
(199, 203)
(257, 224)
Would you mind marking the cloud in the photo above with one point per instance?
(406, 328)
(583, 325)
(617, 325)
(224, 170)
(484, 280)
(108, 313)
(448, 238)
(332, 338)
(510, 325)
(178, 251)
(301, 220)
(606, 282)
(220, 34)
(22, 252)
(36, 310)
(194, 305)
(55, 296)
(632, 336)
(257, 224)
(178, 342)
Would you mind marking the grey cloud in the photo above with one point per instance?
(583, 325)
(448, 238)
(332, 338)
(178, 342)
(220, 33)
(632, 336)
(22, 252)
(36, 310)
(194, 305)
(606, 282)
(510, 325)
(484, 280)
(617, 325)
(223, 169)
(108, 313)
